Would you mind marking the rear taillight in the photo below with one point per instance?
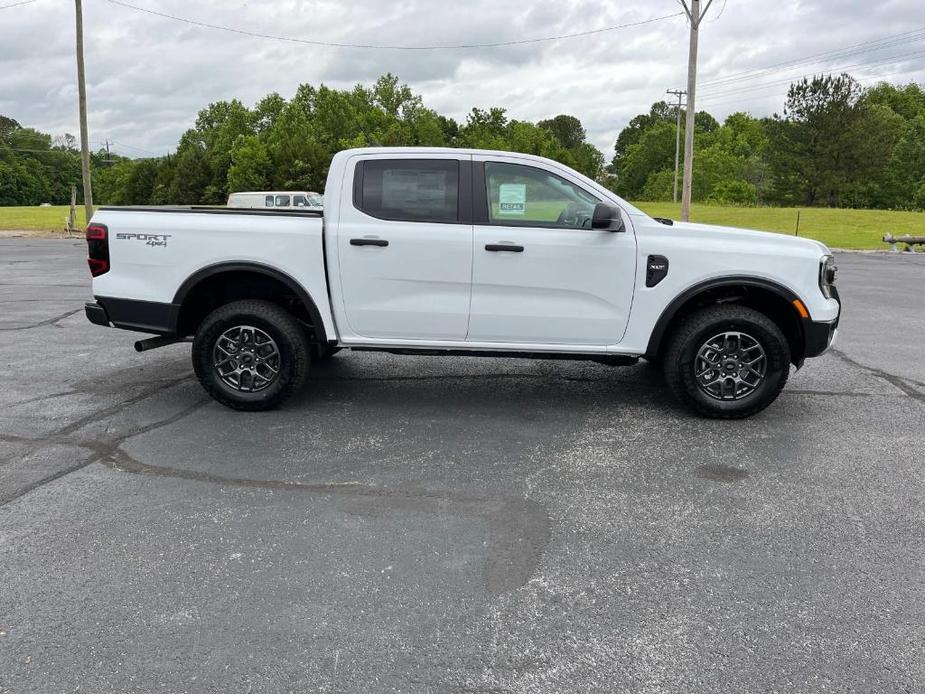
(97, 249)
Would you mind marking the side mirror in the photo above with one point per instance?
(607, 218)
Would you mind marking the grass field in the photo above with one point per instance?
(858, 229)
(48, 219)
(838, 228)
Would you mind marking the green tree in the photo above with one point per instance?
(568, 130)
(907, 101)
(251, 167)
(652, 152)
(904, 176)
(827, 141)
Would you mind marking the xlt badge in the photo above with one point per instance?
(656, 269)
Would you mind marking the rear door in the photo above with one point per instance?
(541, 275)
(405, 247)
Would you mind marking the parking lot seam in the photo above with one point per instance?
(40, 324)
(898, 381)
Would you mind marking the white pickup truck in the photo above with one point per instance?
(463, 252)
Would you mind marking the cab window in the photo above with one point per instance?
(268, 201)
(410, 190)
(282, 201)
(299, 201)
(526, 196)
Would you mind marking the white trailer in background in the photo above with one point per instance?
(277, 200)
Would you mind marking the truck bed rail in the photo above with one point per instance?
(206, 209)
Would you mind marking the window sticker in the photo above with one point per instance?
(512, 199)
(413, 188)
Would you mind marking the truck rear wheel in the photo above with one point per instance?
(727, 361)
(251, 355)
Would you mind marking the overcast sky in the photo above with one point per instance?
(147, 76)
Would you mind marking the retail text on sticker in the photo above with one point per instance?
(512, 198)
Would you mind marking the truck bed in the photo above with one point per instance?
(156, 251)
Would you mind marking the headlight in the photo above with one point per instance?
(827, 272)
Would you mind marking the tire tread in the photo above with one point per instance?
(292, 333)
(685, 334)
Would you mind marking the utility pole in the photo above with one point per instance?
(108, 154)
(677, 139)
(695, 15)
(82, 99)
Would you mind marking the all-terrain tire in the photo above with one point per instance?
(289, 340)
(684, 344)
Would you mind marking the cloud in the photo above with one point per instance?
(149, 76)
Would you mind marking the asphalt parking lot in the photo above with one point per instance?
(455, 524)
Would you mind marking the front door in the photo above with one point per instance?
(541, 275)
(405, 248)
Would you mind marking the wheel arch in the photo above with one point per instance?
(215, 285)
(771, 298)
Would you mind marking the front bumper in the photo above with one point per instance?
(818, 336)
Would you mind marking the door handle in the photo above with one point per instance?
(508, 247)
(369, 242)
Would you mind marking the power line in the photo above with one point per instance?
(134, 147)
(3, 148)
(17, 4)
(777, 94)
(864, 46)
(788, 80)
(331, 44)
(720, 14)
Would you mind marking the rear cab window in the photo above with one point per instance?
(282, 201)
(409, 190)
(268, 201)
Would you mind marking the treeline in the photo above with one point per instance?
(288, 145)
(836, 145)
(34, 168)
(278, 144)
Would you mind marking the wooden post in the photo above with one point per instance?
(677, 141)
(695, 16)
(72, 215)
(82, 101)
(797, 232)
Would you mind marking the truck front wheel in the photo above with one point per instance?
(250, 355)
(727, 361)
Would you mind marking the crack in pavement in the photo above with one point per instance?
(101, 447)
(23, 284)
(49, 300)
(518, 528)
(900, 382)
(50, 321)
